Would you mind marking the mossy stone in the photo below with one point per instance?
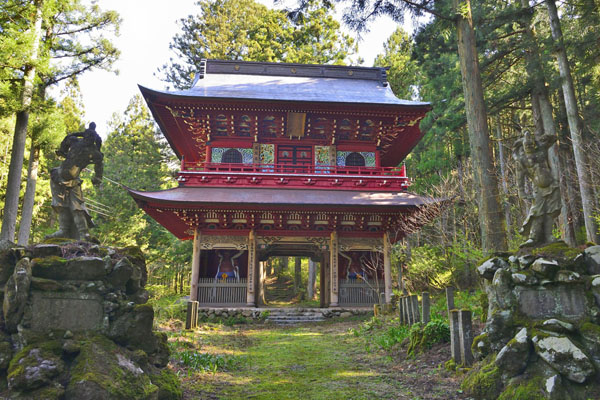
(483, 381)
(35, 366)
(524, 389)
(169, 387)
(102, 370)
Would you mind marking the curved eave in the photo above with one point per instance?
(191, 94)
(240, 197)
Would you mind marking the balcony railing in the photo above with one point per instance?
(294, 169)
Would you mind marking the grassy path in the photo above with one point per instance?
(317, 361)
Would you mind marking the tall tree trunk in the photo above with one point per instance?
(503, 174)
(13, 186)
(29, 199)
(542, 110)
(587, 198)
(493, 230)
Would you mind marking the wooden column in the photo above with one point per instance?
(387, 268)
(195, 265)
(250, 297)
(192, 309)
(333, 267)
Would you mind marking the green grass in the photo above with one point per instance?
(325, 361)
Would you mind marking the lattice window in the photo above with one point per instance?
(271, 126)
(221, 124)
(344, 129)
(367, 130)
(355, 160)
(232, 156)
(244, 127)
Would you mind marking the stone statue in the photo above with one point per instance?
(532, 161)
(80, 150)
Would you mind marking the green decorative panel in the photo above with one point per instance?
(216, 154)
(267, 154)
(369, 157)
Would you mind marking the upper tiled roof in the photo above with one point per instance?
(293, 82)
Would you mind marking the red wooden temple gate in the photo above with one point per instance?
(286, 159)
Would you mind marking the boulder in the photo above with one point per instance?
(526, 260)
(524, 278)
(500, 294)
(591, 257)
(46, 250)
(34, 367)
(489, 268)
(562, 355)
(565, 276)
(499, 328)
(135, 329)
(16, 293)
(76, 269)
(557, 326)
(120, 275)
(513, 358)
(48, 285)
(545, 268)
(8, 260)
(554, 388)
(102, 370)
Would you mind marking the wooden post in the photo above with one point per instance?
(191, 320)
(312, 275)
(465, 337)
(323, 274)
(262, 273)
(408, 310)
(426, 307)
(415, 306)
(333, 267)
(450, 300)
(250, 298)
(455, 336)
(401, 310)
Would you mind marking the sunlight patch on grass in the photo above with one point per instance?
(355, 374)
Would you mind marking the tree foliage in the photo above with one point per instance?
(246, 30)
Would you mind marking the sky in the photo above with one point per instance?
(147, 28)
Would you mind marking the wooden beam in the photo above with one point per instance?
(333, 265)
(250, 297)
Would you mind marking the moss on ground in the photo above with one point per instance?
(169, 387)
(483, 381)
(525, 389)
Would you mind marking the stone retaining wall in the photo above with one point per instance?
(542, 336)
(75, 324)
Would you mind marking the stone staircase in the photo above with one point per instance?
(291, 316)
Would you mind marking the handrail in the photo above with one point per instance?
(294, 169)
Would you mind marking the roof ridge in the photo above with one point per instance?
(238, 67)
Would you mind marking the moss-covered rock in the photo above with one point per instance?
(524, 389)
(481, 346)
(513, 357)
(16, 293)
(135, 329)
(484, 381)
(559, 251)
(35, 366)
(169, 387)
(52, 392)
(103, 370)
